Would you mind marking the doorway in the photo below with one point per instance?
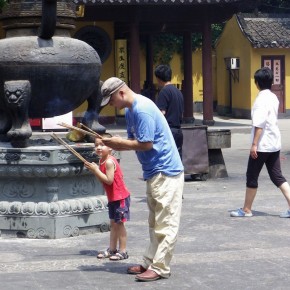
(277, 64)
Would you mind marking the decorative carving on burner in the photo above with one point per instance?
(52, 189)
(58, 208)
(82, 187)
(15, 207)
(53, 209)
(12, 156)
(28, 208)
(20, 189)
(36, 233)
(69, 231)
(41, 208)
(42, 171)
(44, 156)
(39, 171)
(64, 155)
(76, 206)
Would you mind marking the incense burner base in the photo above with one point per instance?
(46, 192)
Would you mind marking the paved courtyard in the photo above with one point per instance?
(214, 251)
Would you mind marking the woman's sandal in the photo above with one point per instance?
(119, 256)
(106, 254)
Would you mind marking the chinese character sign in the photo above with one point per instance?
(121, 64)
(121, 59)
(267, 63)
(276, 69)
(277, 72)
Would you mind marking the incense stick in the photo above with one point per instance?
(87, 128)
(59, 140)
(93, 133)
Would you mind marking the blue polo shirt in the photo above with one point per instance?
(146, 123)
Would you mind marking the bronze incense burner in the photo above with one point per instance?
(43, 71)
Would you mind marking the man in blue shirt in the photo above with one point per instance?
(150, 136)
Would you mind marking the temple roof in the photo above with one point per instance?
(266, 30)
(163, 15)
(156, 2)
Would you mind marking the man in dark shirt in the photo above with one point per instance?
(170, 102)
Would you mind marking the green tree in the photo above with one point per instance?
(165, 45)
(2, 4)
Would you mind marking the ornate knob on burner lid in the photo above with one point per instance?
(48, 21)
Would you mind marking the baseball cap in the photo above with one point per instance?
(110, 86)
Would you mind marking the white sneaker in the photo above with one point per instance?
(240, 213)
(285, 214)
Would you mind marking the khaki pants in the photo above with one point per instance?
(164, 199)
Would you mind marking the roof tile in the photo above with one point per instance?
(266, 30)
(144, 2)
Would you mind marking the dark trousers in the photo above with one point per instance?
(272, 161)
(178, 138)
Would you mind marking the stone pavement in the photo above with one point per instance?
(214, 251)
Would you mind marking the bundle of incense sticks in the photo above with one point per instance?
(87, 128)
(59, 140)
(91, 132)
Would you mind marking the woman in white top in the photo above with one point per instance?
(266, 144)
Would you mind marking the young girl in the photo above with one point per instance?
(111, 176)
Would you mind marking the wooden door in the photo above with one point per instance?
(277, 65)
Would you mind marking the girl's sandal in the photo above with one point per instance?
(119, 256)
(106, 254)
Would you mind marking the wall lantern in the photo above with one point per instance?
(233, 66)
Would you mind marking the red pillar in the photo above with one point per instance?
(149, 90)
(134, 57)
(187, 83)
(149, 59)
(207, 72)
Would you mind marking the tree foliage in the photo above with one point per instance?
(167, 44)
(2, 4)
